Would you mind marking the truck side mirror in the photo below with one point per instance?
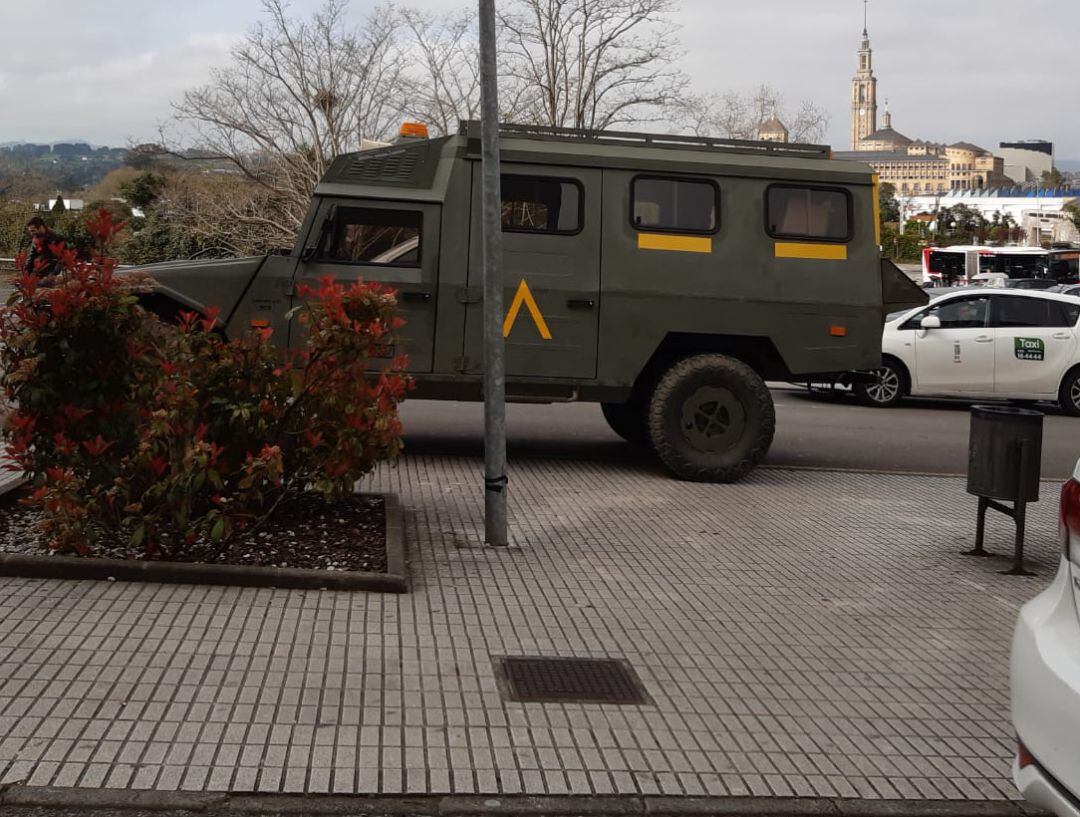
(930, 322)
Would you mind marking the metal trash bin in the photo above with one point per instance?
(1005, 453)
(1004, 464)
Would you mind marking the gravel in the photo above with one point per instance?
(304, 532)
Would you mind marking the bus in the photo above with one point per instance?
(957, 266)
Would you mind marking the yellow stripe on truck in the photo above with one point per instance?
(820, 252)
(877, 209)
(676, 243)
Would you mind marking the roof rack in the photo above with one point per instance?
(471, 129)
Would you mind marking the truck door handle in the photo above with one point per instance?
(413, 297)
(984, 339)
(580, 303)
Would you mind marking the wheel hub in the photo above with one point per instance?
(885, 387)
(713, 419)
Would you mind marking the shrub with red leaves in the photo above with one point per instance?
(160, 436)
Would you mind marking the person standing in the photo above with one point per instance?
(43, 258)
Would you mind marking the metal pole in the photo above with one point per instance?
(494, 350)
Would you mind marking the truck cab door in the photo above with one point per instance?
(551, 272)
(395, 243)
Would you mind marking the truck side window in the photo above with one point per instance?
(680, 205)
(536, 205)
(818, 213)
(362, 235)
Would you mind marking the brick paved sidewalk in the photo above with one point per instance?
(800, 633)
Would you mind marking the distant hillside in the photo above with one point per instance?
(1068, 165)
(30, 169)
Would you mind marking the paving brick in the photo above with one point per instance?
(767, 638)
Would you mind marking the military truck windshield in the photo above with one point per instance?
(362, 235)
(808, 212)
(536, 205)
(675, 204)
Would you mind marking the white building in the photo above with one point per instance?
(1042, 217)
(1026, 161)
(69, 204)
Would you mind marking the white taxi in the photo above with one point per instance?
(982, 343)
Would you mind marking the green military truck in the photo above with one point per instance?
(664, 277)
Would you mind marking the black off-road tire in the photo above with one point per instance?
(627, 420)
(891, 386)
(1069, 396)
(711, 419)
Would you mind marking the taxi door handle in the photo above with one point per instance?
(1062, 336)
(984, 339)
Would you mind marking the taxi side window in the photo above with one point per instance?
(1072, 313)
(363, 235)
(1010, 312)
(679, 205)
(816, 213)
(959, 313)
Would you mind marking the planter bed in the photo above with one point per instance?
(352, 545)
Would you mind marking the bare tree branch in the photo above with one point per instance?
(736, 115)
(589, 63)
(297, 94)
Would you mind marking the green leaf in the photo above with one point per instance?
(218, 530)
(138, 536)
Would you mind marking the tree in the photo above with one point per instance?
(297, 94)
(888, 206)
(58, 205)
(1073, 211)
(443, 79)
(589, 63)
(961, 224)
(739, 115)
(143, 190)
(1052, 178)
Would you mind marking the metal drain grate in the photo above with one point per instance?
(570, 680)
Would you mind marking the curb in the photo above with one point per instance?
(88, 801)
(394, 580)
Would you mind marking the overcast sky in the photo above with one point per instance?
(977, 70)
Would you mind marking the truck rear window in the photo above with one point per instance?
(818, 213)
(679, 205)
(362, 235)
(537, 205)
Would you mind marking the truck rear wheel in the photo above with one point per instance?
(627, 420)
(711, 419)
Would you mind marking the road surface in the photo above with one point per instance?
(927, 436)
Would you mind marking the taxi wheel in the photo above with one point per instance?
(1069, 398)
(711, 419)
(888, 387)
(627, 420)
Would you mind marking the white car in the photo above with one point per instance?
(983, 343)
(1045, 670)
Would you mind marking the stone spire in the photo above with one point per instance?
(863, 91)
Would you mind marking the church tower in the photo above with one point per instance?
(863, 93)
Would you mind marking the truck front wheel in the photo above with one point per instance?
(711, 419)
